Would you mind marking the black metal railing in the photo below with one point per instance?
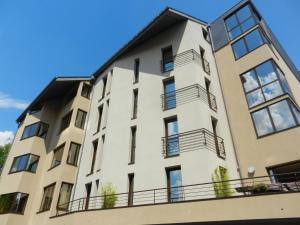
(182, 59)
(191, 141)
(263, 185)
(188, 94)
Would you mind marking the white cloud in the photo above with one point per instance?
(7, 102)
(6, 137)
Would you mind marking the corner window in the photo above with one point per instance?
(65, 121)
(248, 43)
(240, 21)
(13, 203)
(39, 129)
(26, 162)
(167, 59)
(86, 91)
(47, 198)
(64, 196)
(276, 117)
(80, 119)
(57, 156)
(263, 83)
(73, 153)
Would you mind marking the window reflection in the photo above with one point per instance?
(262, 122)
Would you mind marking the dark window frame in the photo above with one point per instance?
(24, 170)
(289, 102)
(87, 87)
(68, 114)
(14, 211)
(168, 170)
(76, 155)
(133, 131)
(260, 87)
(136, 70)
(62, 148)
(130, 189)
(100, 117)
(40, 126)
(43, 208)
(59, 196)
(165, 82)
(163, 61)
(83, 119)
(167, 136)
(135, 103)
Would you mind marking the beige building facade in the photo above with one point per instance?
(189, 122)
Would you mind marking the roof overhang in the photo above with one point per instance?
(57, 88)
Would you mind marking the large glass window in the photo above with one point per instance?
(248, 43)
(47, 198)
(13, 203)
(264, 83)
(169, 94)
(64, 196)
(172, 137)
(276, 117)
(57, 156)
(175, 190)
(80, 119)
(26, 162)
(73, 153)
(39, 129)
(241, 21)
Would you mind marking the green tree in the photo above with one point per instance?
(4, 150)
(108, 195)
(221, 185)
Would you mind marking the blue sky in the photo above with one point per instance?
(40, 39)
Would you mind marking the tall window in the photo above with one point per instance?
(80, 119)
(175, 190)
(65, 121)
(88, 188)
(169, 94)
(167, 59)
(205, 35)
(133, 144)
(95, 146)
(73, 153)
(241, 21)
(57, 156)
(104, 80)
(64, 196)
(130, 188)
(135, 104)
(39, 129)
(108, 86)
(214, 123)
(136, 70)
(100, 113)
(248, 43)
(13, 203)
(276, 117)
(86, 91)
(172, 137)
(26, 162)
(264, 83)
(47, 197)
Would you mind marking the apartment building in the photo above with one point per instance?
(189, 122)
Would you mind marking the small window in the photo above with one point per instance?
(65, 121)
(135, 104)
(130, 189)
(64, 196)
(73, 153)
(86, 91)
(133, 145)
(100, 113)
(57, 156)
(47, 198)
(248, 43)
(175, 189)
(95, 147)
(104, 80)
(136, 70)
(167, 59)
(39, 129)
(80, 119)
(276, 117)
(26, 162)
(13, 203)
(172, 137)
(205, 35)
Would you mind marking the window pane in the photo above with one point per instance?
(22, 162)
(239, 49)
(57, 156)
(170, 95)
(73, 153)
(266, 73)
(254, 40)
(176, 191)
(282, 116)
(32, 163)
(249, 81)
(47, 198)
(172, 138)
(284, 83)
(80, 119)
(64, 196)
(43, 129)
(86, 90)
(33, 129)
(26, 132)
(255, 97)
(13, 203)
(296, 112)
(262, 122)
(272, 90)
(234, 33)
(231, 22)
(244, 13)
(247, 24)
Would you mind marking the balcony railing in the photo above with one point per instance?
(256, 186)
(191, 141)
(188, 94)
(182, 59)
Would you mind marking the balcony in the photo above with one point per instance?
(235, 189)
(188, 94)
(191, 141)
(182, 59)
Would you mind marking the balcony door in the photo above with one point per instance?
(175, 189)
(169, 94)
(172, 137)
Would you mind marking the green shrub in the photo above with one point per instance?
(221, 185)
(108, 195)
(260, 188)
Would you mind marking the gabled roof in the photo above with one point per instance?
(164, 20)
(58, 86)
